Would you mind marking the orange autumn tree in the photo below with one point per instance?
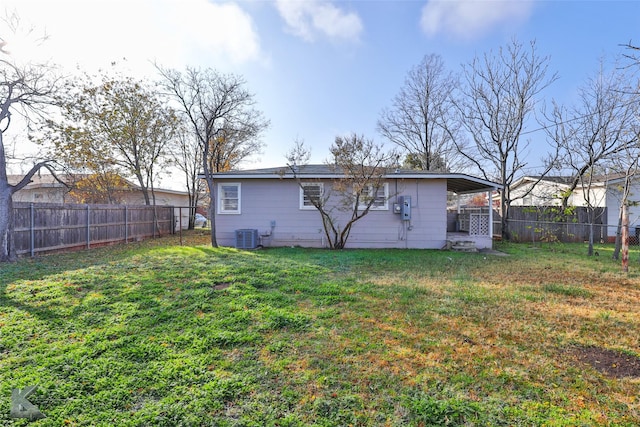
(114, 123)
(225, 153)
(107, 188)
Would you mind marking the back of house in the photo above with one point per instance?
(273, 207)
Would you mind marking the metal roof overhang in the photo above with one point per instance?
(464, 184)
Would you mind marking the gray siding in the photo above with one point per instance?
(265, 201)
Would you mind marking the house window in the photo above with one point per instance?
(229, 198)
(381, 198)
(310, 191)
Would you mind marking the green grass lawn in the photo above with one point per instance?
(158, 334)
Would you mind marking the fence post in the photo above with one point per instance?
(180, 223)
(88, 227)
(126, 225)
(31, 230)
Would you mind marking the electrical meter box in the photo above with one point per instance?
(405, 207)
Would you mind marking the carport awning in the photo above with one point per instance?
(467, 184)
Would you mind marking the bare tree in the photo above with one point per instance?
(25, 90)
(593, 132)
(222, 117)
(499, 97)
(423, 121)
(629, 167)
(187, 157)
(361, 167)
(634, 56)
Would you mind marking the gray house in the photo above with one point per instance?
(268, 207)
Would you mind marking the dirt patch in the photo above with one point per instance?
(609, 362)
(220, 286)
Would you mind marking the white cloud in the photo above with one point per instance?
(174, 33)
(308, 19)
(467, 19)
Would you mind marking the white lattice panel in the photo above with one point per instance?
(479, 225)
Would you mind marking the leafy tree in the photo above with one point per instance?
(362, 167)
(116, 126)
(107, 188)
(499, 96)
(423, 121)
(222, 118)
(25, 90)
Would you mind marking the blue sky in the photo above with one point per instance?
(320, 69)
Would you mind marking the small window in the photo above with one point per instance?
(381, 198)
(310, 191)
(229, 198)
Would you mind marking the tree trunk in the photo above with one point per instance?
(7, 250)
(212, 208)
(506, 234)
(625, 239)
(144, 189)
(618, 245)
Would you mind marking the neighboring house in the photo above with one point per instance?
(548, 191)
(606, 192)
(44, 188)
(615, 188)
(267, 207)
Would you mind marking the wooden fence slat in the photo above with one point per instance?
(544, 223)
(43, 227)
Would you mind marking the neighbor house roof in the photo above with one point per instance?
(456, 182)
(566, 180)
(37, 181)
(46, 180)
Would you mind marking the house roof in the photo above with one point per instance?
(558, 179)
(456, 182)
(46, 180)
(566, 180)
(37, 181)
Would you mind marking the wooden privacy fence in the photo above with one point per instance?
(43, 227)
(545, 223)
(540, 223)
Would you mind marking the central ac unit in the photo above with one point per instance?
(247, 238)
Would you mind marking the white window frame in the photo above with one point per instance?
(309, 206)
(383, 207)
(221, 199)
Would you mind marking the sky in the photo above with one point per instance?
(321, 69)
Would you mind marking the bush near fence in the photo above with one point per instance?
(45, 227)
